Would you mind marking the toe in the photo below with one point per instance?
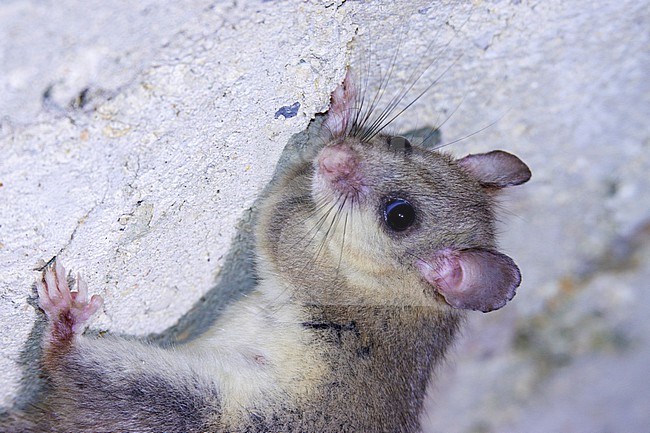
(43, 298)
(82, 290)
(50, 284)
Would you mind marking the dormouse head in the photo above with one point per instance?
(408, 214)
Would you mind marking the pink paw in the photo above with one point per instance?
(66, 310)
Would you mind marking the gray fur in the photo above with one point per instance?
(377, 326)
(84, 395)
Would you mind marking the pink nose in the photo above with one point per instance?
(339, 169)
(337, 162)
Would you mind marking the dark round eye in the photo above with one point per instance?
(399, 214)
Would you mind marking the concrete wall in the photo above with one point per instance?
(135, 137)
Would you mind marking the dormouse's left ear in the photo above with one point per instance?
(496, 169)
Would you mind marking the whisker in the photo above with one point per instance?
(345, 227)
(371, 123)
(381, 91)
(415, 76)
(449, 143)
(420, 95)
(332, 225)
(450, 114)
(317, 228)
(318, 223)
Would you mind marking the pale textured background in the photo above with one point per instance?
(140, 182)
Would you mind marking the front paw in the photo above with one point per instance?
(65, 310)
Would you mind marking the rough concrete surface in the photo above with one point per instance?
(134, 138)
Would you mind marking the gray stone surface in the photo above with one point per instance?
(135, 137)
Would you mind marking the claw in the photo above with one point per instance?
(62, 281)
(43, 299)
(82, 290)
(51, 284)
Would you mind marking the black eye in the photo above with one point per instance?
(399, 214)
(397, 143)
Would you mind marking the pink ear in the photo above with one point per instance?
(496, 169)
(473, 279)
(342, 107)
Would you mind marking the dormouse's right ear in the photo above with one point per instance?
(342, 108)
(472, 279)
(496, 169)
